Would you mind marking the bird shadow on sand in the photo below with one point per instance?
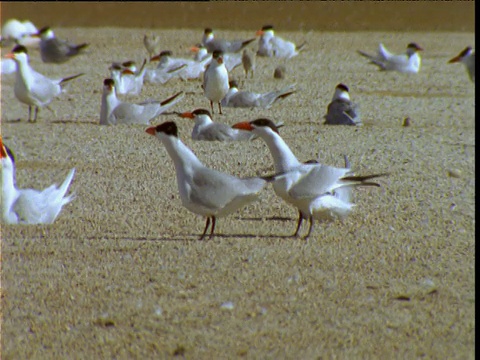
(194, 237)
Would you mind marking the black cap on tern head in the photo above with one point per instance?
(166, 53)
(233, 84)
(267, 27)
(343, 87)
(44, 29)
(201, 112)
(207, 31)
(414, 46)
(265, 123)
(168, 128)
(20, 49)
(128, 63)
(108, 82)
(216, 54)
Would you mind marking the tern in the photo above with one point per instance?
(274, 46)
(225, 46)
(231, 60)
(152, 44)
(467, 58)
(206, 129)
(215, 80)
(19, 33)
(204, 191)
(30, 206)
(319, 192)
(405, 63)
(342, 111)
(54, 50)
(126, 77)
(248, 62)
(31, 87)
(113, 111)
(190, 69)
(248, 99)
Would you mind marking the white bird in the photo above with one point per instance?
(30, 206)
(231, 60)
(212, 44)
(248, 62)
(215, 81)
(54, 50)
(318, 191)
(248, 99)
(467, 58)
(274, 46)
(405, 63)
(19, 33)
(31, 87)
(126, 77)
(114, 112)
(152, 44)
(164, 71)
(206, 129)
(190, 69)
(204, 191)
(342, 111)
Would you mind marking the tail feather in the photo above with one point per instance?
(70, 78)
(246, 42)
(170, 99)
(81, 46)
(301, 46)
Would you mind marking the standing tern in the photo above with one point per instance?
(318, 191)
(31, 87)
(113, 111)
(248, 99)
(215, 80)
(274, 46)
(405, 63)
(204, 191)
(206, 129)
(54, 50)
(231, 60)
(342, 111)
(248, 62)
(467, 58)
(225, 46)
(30, 206)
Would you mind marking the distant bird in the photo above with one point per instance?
(16, 32)
(207, 130)
(271, 45)
(126, 77)
(152, 44)
(113, 111)
(215, 81)
(212, 44)
(467, 58)
(231, 60)
(187, 68)
(405, 63)
(319, 192)
(342, 111)
(248, 62)
(30, 206)
(54, 50)
(204, 191)
(31, 87)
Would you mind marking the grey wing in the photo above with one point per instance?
(217, 132)
(341, 112)
(44, 88)
(126, 113)
(316, 180)
(243, 99)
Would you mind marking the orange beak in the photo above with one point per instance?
(187, 115)
(243, 126)
(151, 130)
(10, 56)
(454, 60)
(259, 33)
(155, 58)
(3, 151)
(195, 49)
(128, 72)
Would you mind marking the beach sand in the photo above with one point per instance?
(121, 273)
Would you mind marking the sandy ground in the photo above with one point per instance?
(121, 273)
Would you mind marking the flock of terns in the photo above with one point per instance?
(319, 192)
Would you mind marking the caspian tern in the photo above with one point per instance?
(274, 46)
(206, 129)
(248, 62)
(31, 87)
(467, 58)
(54, 50)
(405, 63)
(204, 191)
(225, 46)
(231, 60)
(215, 80)
(318, 191)
(190, 69)
(152, 44)
(126, 77)
(30, 206)
(113, 111)
(248, 99)
(342, 111)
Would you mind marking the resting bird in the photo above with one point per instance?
(342, 111)
(54, 50)
(405, 63)
(30, 206)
